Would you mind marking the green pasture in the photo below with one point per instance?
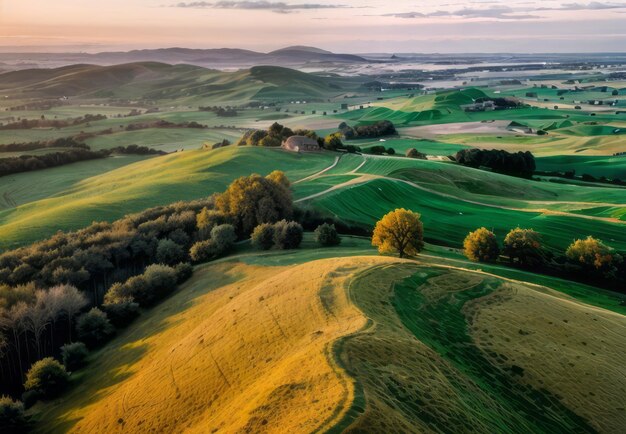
(402, 144)
(609, 167)
(22, 188)
(448, 220)
(157, 181)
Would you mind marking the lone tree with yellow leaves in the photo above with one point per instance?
(399, 231)
(481, 246)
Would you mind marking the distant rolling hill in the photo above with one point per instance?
(214, 58)
(160, 81)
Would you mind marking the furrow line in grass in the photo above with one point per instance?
(364, 178)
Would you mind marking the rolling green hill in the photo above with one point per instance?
(135, 187)
(453, 199)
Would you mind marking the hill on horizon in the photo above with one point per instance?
(157, 81)
(293, 56)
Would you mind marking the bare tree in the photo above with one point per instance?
(37, 319)
(4, 351)
(72, 302)
(14, 320)
(54, 304)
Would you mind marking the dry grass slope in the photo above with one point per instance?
(240, 349)
(356, 344)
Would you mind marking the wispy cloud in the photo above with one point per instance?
(503, 12)
(278, 7)
(496, 12)
(593, 6)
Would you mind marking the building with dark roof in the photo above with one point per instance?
(301, 144)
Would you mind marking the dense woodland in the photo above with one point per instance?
(116, 268)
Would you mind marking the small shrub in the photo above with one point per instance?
(263, 236)
(122, 313)
(207, 219)
(287, 235)
(326, 235)
(168, 252)
(12, 417)
(180, 237)
(74, 355)
(94, 328)
(30, 398)
(184, 271)
(224, 237)
(48, 377)
(203, 251)
(155, 283)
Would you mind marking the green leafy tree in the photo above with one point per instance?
(326, 235)
(47, 377)
(263, 236)
(74, 355)
(13, 420)
(94, 328)
(223, 237)
(287, 235)
(207, 219)
(252, 200)
(121, 313)
(169, 253)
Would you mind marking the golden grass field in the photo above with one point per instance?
(352, 344)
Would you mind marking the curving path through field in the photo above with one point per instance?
(321, 172)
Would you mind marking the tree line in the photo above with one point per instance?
(377, 129)
(27, 124)
(587, 260)
(65, 142)
(521, 164)
(221, 112)
(29, 163)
